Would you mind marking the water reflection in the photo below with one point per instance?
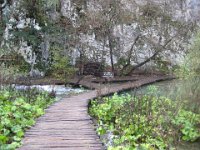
(173, 90)
(169, 89)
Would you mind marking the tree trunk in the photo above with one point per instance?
(144, 62)
(2, 6)
(159, 49)
(81, 66)
(130, 54)
(111, 51)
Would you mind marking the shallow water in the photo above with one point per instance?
(170, 89)
(60, 90)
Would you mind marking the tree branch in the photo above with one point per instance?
(130, 53)
(159, 48)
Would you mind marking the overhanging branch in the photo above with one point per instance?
(159, 48)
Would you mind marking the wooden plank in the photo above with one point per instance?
(67, 125)
(60, 148)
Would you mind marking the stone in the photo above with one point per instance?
(35, 73)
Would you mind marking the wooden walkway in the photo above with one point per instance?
(67, 125)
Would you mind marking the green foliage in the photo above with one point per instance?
(146, 122)
(17, 113)
(188, 122)
(189, 72)
(191, 65)
(38, 13)
(61, 67)
(37, 9)
(31, 35)
(193, 56)
(8, 73)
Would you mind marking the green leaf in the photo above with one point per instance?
(3, 139)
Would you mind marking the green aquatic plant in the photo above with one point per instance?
(17, 114)
(188, 122)
(145, 122)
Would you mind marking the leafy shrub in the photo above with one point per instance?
(17, 113)
(146, 122)
(188, 122)
(61, 66)
(189, 72)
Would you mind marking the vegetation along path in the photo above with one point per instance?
(67, 125)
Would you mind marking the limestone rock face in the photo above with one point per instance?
(194, 9)
(184, 9)
(125, 33)
(95, 46)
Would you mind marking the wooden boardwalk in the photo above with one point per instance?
(67, 125)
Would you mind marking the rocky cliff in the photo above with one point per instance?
(98, 29)
(125, 32)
